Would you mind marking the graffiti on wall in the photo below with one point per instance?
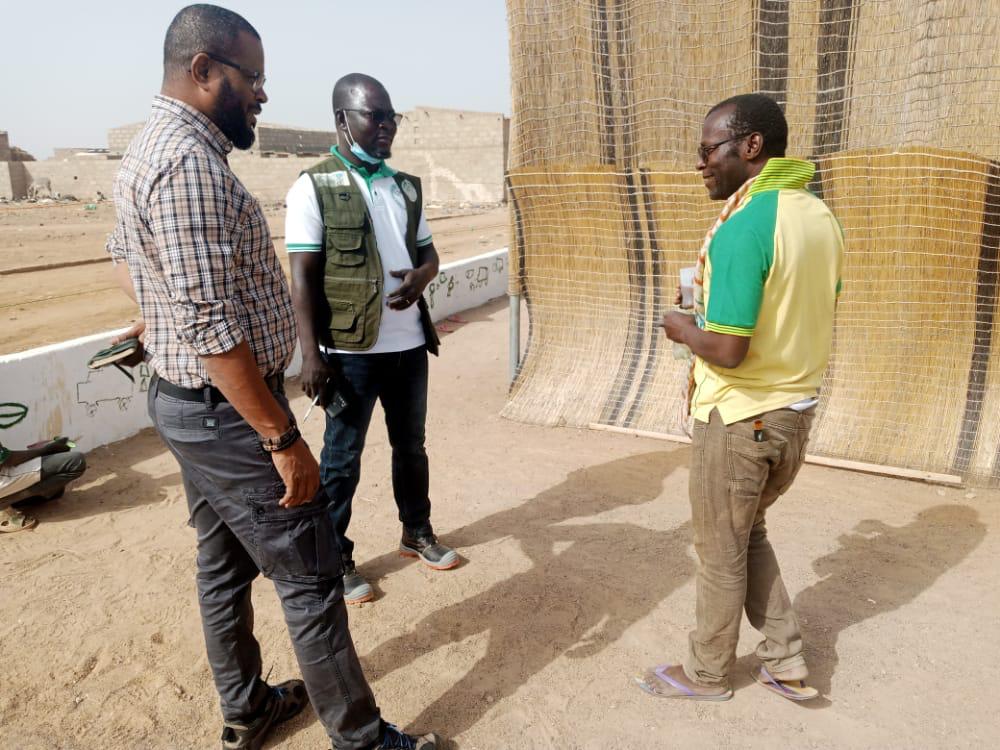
(476, 277)
(108, 388)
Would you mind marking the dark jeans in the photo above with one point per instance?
(233, 491)
(399, 381)
(58, 470)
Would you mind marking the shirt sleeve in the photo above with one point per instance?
(193, 222)
(115, 246)
(424, 237)
(303, 221)
(739, 260)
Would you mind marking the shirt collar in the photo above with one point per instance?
(384, 170)
(200, 122)
(781, 173)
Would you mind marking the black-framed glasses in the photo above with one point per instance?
(378, 116)
(705, 151)
(255, 78)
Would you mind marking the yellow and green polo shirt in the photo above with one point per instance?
(772, 273)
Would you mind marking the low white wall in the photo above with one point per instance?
(96, 407)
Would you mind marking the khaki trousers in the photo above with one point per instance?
(734, 479)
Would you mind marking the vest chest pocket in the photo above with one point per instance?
(345, 233)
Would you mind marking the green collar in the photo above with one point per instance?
(384, 170)
(781, 173)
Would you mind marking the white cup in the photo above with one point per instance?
(687, 286)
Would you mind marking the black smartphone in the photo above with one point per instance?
(336, 402)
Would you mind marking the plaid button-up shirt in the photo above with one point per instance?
(198, 249)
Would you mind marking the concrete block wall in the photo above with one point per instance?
(120, 137)
(19, 178)
(97, 407)
(7, 167)
(459, 155)
(82, 178)
(269, 178)
(288, 140)
(6, 192)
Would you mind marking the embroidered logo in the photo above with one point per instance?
(409, 190)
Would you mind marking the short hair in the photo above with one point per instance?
(757, 113)
(202, 28)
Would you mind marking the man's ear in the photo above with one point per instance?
(340, 119)
(201, 69)
(753, 146)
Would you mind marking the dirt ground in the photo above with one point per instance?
(578, 572)
(53, 266)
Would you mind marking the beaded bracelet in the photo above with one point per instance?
(283, 441)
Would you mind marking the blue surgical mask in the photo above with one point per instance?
(360, 152)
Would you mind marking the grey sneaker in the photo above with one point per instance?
(393, 738)
(356, 589)
(424, 544)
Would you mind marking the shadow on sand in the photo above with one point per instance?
(589, 580)
(877, 569)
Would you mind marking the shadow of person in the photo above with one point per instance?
(589, 580)
(879, 568)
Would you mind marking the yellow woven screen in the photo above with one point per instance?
(898, 104)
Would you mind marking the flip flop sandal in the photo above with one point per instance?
(656, 682)
(12, 520)
(793, 690)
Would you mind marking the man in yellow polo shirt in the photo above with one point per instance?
(765, 295)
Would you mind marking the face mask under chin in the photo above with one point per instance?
(357, 150)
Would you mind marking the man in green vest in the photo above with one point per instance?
(361, 256)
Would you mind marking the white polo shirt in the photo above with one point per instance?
(400, 329)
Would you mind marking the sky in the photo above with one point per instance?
(71, 70)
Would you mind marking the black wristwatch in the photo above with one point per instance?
(283, 441)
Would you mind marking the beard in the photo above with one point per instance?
(231, 119)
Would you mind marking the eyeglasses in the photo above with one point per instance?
(378, 116)
(705, 151)
(255, 78)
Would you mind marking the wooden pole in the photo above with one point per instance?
(835, 463)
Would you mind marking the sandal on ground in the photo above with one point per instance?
(793, 690)
(11, 520)
(656, 682)
(285, 701)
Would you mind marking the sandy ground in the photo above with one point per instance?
(53, 265)
(578, 572)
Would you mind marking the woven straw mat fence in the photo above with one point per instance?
(895, 101)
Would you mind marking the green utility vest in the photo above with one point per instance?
(353, 278)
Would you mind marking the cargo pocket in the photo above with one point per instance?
(344, 321)
(293, 544)
(345, 236)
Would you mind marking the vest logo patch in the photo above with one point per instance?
(409, 190)
(332, 179)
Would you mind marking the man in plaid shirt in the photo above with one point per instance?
(191, 245)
